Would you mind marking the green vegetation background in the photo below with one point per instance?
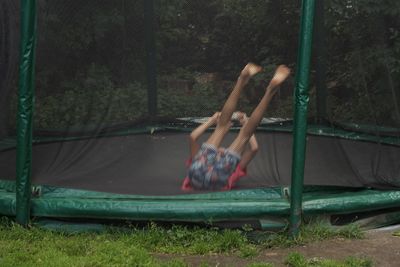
(91, 59)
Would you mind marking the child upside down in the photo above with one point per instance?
(212, 167)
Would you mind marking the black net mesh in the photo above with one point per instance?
(203, 46)
(91, 58)
(363, 83)
(9, 51)
(90, 64)
(97, 66)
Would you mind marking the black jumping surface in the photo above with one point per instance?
(155, 164)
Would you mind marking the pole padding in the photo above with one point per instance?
(301, 100)
(25, 110)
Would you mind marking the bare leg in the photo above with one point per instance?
(224, 121)
(249, 128)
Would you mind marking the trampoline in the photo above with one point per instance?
(115, 101)
(99, 178)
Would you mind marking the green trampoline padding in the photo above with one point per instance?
(222, 206)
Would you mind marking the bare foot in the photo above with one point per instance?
(250, 70)
(281, 73)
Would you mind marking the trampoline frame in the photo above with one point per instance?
(269, 206)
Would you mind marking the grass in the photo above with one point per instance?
(134, 246)
(396, 233)
(311, 232)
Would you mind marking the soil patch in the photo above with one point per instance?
(379, 246)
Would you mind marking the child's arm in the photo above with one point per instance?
(196, 133)
(249, 153)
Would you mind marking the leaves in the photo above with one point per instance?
(91, 65)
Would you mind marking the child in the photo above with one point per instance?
(212, 167)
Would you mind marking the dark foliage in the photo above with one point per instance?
(91, 58)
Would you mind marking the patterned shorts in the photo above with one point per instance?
(211, 168)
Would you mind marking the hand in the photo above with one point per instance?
(244, 119)
(241, 117)
(214, 118)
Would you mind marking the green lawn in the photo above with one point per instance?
(134, 246)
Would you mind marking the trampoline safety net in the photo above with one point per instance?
(120, 84)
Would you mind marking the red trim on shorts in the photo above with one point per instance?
(235, 176)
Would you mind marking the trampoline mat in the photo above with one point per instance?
(155, 164)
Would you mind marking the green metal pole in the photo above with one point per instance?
(25, 110)
(300, 116)
(320, 60)
(151, 70)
